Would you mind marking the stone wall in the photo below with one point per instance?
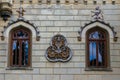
(65, 19)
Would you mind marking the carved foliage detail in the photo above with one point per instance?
(58, 50)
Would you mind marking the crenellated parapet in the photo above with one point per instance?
(85, 2)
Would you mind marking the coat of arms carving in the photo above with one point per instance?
(58, 51)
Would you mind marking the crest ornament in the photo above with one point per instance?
(97, 14)
(58, 50)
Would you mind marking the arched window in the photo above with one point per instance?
(97, 48)
(20, 46)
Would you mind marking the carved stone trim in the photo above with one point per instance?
(98, 22)
(58, 51)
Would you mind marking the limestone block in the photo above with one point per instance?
(47, 11)
(2, 52)
(79, 52)
(18, 77)
(47, 23)
(35, 71)
(66, 17)
(2, 65)
(72, 40)
(115, 58)
(60, 23)
(114, 52)
(80, 77)
(84, 12)
(47, 34)
(3, 58)
(75, 46)
(42, 58)
(44, 46)
(66, 28)
(37, 53)
(52, 17)
(52, 65)
(95, 77)
(2, 77)
(35, 58)
(53, 29)
(110, 12)
(36, 77)
(113, 17)
(79, 64)
(78, 59)
(73, 23)
(66, 12)
(67, 77)
(46, 70)
(39, 64)
(67, 65)
(36, 47)
(52, 77)
(42, 17)
(110, 77)
(115, 64)
(60, 71)
(73, 71)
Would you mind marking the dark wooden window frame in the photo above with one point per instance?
(10, 63)
(106, 67)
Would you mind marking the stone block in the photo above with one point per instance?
(79, 64)
(66, 12)
(73, 71)
(67, 65)
(18, 77)
(41, 77)
(110, 77)
(2, 77)
(67, 77)
(38, 64)
(80, 77)
(47, 23)
(52, 65)
(60, 70)
(47, 11)
(52, 77)
(46, 70)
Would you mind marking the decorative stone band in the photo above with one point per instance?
(58, 51)
(97, 23)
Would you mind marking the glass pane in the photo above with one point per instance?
(24, 53)
(96, 35)
(92, 53)
(101, 53)
(20, 34)
(15, 52)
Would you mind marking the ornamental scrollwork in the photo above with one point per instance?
(58, 50)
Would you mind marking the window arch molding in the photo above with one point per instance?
(31, 27)
(92, 24)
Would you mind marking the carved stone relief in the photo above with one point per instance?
(58, 50)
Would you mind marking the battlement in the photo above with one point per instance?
(76, 2)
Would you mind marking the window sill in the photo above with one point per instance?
(19, 68)
(98, 69)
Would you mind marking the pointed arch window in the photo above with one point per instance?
(97, 48)
(20, 46)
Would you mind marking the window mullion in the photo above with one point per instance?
(97, 53)
(20, 53)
